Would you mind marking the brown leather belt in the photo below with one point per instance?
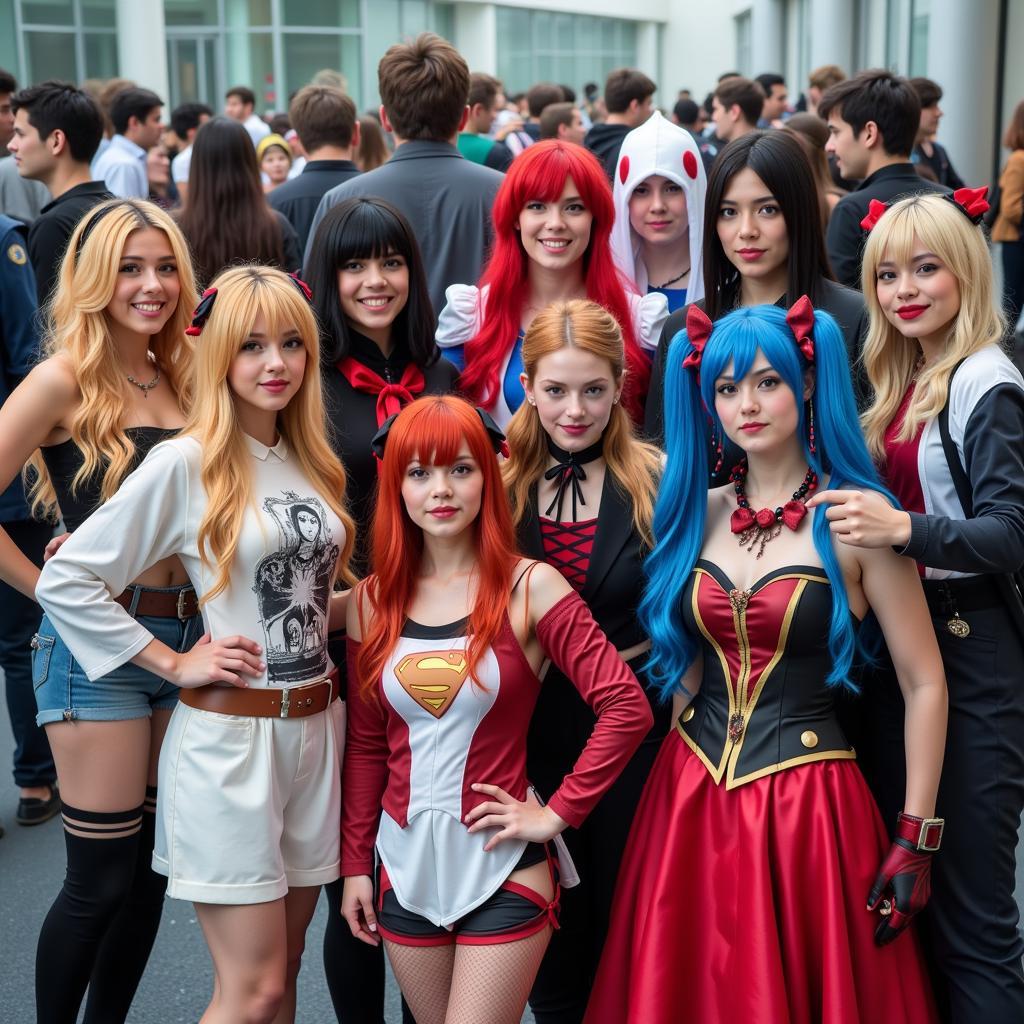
(161, 604)
(258, 702)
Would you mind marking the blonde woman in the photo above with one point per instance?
(946, 427)
(583, 488)
(115, 380)
(249, 498)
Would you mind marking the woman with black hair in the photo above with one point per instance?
(226, 218)
(764, 244)
(377, 323)
(371, 298)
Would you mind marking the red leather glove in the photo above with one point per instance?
(905, 877)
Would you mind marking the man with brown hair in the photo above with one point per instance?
(327, 125)
(820, 80)
(485, 100)
(627, 98)
(538, 97)
(424, 86)
(562, 121)
(736, 107)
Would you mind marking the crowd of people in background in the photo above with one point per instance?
(484, 386)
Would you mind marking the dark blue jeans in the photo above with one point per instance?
(33, 763)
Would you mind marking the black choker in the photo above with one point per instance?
(570, 472)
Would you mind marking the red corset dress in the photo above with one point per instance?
(743, 888)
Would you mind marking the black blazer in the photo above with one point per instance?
(562, 721)
(844, 305)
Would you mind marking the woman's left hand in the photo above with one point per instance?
(864, 519)
(518, 819)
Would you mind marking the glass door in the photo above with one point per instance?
(192, 69)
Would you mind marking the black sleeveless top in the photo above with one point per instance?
(64, 460)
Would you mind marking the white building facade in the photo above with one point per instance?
(197, 49)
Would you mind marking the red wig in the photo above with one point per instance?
(541, 172)
(433, 430)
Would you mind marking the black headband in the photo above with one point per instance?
(494, 432)
(90, 226)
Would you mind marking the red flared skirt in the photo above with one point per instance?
(747, 906)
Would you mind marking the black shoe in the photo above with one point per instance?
(34, 811)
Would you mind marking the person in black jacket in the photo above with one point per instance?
(582, 489)
(873, 120)
(378, 354)
(926, 150)
(763, 243)
(328, 128)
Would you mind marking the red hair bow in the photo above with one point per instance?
(202, 313)
(971, 201)
(875, 210)
(698, 330)
(801, 322)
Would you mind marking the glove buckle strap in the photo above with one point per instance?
(924, 833)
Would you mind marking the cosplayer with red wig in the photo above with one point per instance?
(553, 217)
(446, 638)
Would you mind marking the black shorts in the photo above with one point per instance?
(514, 912)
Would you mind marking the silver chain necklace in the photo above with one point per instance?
(145, 388)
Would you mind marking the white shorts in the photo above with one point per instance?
(248, 807)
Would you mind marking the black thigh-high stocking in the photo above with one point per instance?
(129, 940)
(102, 851)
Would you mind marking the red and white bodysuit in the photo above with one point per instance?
(428, 732)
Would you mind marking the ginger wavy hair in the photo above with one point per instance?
(890, 358)
(433, 430)
(540, 173)
(77, 326)
(635, 466)
(243, 294)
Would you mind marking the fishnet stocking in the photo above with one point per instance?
(491, 983)
(424, 975)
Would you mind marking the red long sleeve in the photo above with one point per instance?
(364, 776)
(576, 644)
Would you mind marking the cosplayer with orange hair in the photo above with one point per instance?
(553, 217)
(446, 639)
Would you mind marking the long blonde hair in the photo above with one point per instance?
(243, 294)
(77, 325)
(890, 358)
(634, 465)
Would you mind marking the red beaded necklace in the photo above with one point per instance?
(766, 524)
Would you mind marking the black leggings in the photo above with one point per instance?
(101, 927)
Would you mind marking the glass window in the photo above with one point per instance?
(444, 20)
(328, 13)
(189, 12)
(100, 54)
(47, 12)
(250, 61)
(8, 48)
(743, 43)
(305, 55)
(414, 17)
(99, 13)
(920, 17)
(50, 55)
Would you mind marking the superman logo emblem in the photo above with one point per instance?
(433, 678)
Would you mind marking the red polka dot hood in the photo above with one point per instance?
(658, 147)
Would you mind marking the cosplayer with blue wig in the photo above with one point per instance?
(756, 847)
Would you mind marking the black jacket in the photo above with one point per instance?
(352, 420)
(845, 237)
(48, 236)
(605, 141)
(845, 306)
(939, 162)
(298, 199)
(562, 722)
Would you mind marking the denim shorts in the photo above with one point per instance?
(64, 692)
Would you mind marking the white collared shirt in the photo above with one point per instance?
(122, 165)
(281, 577)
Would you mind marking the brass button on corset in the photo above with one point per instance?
(688, 713)
(809, 739)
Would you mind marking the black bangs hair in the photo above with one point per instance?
(780, 161)
(368, 228)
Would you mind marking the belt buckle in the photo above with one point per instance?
(180, 608)
(922, 837)
(285, 703)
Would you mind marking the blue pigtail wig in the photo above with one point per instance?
(841, 459)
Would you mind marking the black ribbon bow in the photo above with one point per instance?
(569, 472)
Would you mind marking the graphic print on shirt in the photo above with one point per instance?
(433, 678)
(293, 588)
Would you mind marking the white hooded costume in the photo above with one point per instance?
(658, 147)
